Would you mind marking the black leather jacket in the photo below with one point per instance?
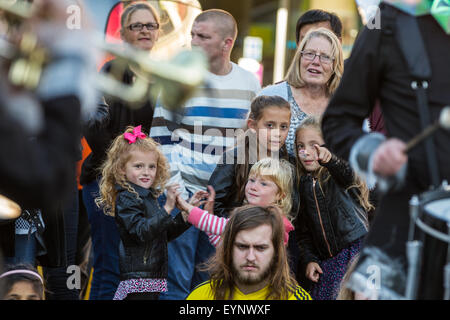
(223, 180)
(326, 222)
(145, 229)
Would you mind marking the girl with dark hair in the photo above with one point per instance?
(267, 128)
(21, 282)
(332, 220)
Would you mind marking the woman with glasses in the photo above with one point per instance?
(140, 29)
(311, 79)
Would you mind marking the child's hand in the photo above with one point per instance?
(184, 207)
(313, 271)
(172, 194)
(198, 198)
(323, 155)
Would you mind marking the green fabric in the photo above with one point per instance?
(441, 12)
(413, 7)
(439, 9)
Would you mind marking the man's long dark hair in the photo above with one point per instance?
(281, 281)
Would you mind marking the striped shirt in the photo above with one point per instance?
(214, 226)
(194, 141)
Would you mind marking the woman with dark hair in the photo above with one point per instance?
(140, 29)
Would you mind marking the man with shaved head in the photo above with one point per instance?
(195, 142)
(215, 31)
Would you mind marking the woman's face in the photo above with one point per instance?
(144, 39)
(317, 71)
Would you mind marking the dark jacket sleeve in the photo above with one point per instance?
(356, 95)
(223, 182)
(304, 239)
(36, 171)
(340, 171)
(130, 213)
(179, 226)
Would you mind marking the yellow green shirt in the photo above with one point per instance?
(203, 292)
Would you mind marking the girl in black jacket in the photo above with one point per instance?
(267, 129)
(133, 176)
(332, 220)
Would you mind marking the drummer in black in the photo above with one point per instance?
(378, 69)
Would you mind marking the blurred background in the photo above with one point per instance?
(266, 39)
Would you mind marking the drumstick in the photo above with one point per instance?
(443, 122)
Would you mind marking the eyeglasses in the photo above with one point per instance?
(310, 56)
(139, 26)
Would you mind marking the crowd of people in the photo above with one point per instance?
(243, 192)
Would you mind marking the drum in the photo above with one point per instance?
(430, 235)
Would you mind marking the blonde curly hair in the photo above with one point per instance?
(118, 154)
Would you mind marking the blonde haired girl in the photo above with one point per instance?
(269, 183)
(133, 176)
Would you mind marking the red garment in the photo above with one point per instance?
(376, 120)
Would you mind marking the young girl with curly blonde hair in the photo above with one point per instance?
(133, 176)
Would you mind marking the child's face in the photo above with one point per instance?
(260, 191)
(141, 168)
(272, 128)
(22, 290)
(306, 139)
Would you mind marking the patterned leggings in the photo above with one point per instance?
(327, 288)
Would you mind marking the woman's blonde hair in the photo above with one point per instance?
(118, 154)
(293, 75)
(132, 7)
(280, 172)
(322, 173)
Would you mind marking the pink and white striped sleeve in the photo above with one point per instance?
(212, 225)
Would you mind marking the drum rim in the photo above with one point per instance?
(433, 195)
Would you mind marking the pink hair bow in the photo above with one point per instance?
(132, 137)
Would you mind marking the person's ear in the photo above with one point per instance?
(228, 44)
(251, 124)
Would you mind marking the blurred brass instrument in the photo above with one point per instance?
(173, 81)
